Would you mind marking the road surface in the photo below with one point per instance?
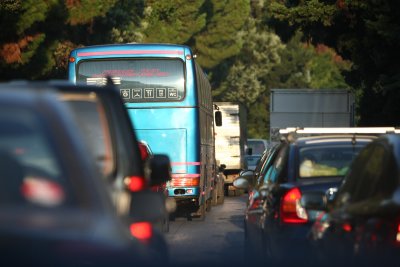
(218, 240)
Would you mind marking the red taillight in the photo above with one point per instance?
(135, 183)
(291, 209)
(256, 204)
(144, 154)
(398, 233)
(347, 227)
(141, 230)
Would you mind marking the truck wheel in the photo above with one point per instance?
(200, 215)
(214, 199)
(165, 226)
(208, 205)
(226, 190)
(220, 199)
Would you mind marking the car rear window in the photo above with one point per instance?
(30, 171)
(326, 160)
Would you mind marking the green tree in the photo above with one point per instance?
(172, 21)
(221, 38)
(326, 69)
(246, 78)
(84, 11)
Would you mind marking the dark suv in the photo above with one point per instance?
(276, 223)
(54, 209)
(108, 132)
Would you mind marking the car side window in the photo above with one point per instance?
(266, 166)
(371, 173)
(277, 171)
(365, 173)
(91, 116)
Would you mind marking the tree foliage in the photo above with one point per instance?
(172, 21)
(221, 38)
(259, 54)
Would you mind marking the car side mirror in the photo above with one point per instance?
(218, 118)
(314, 201)
(246, 174)
(158, 169)
(241, 183)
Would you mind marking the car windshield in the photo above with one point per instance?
(326, 160)
(29, 169)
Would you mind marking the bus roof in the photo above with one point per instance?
(130, 49)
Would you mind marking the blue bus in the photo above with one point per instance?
(168, 98)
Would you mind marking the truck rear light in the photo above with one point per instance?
(184, 182)
(141, 230)
(135, 183)
(291, 209)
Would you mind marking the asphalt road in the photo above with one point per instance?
(218, 240)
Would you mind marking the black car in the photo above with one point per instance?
(276, 223)
(54, 210)
(102, 118)
(362, 226)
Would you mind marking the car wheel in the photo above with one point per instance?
(200, 215)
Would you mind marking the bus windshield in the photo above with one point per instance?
(139, 80)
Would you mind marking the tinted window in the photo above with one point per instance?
(90, 114)
(277, 172)
(30, 171)
(140, 80)
(374, 173)
(326, 160)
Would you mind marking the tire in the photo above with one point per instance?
(200, 215)
(214, 199)
(208, 205)
(220, 199)
(165, 226)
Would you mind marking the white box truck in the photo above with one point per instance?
(230, 142)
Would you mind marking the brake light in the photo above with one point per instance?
(398, 233)
(256, 204)
(135, 183)
(291, 209)
(183, 182)
(144, 154)
(141, 230)
(347, 227)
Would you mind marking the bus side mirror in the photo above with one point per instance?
(218, 118)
